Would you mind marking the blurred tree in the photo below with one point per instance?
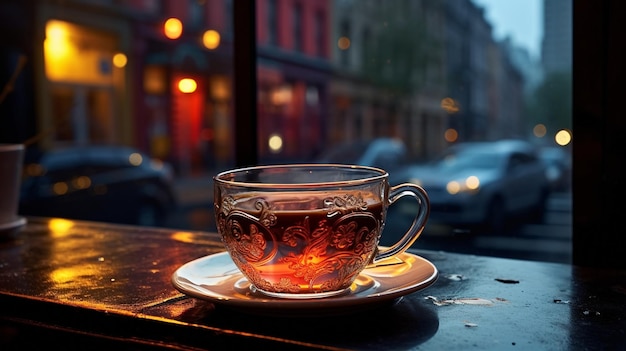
(551, 102)
(401, 49)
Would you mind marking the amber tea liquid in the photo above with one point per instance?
(304, 242)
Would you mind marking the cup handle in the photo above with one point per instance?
(419, 222)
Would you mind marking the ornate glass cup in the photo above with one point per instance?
(308, 230)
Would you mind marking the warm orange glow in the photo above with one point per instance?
(539, 130)
(56, 31)
(154, 80)
(187, 85)
(57, 48)
(62, 275)
(343, 43)
(281, 95)
(185, 237)
(220, 87)
(56, 44)
(173, 28)
(82, 182)
(60, 188)
(451, 135)
(211, 39)
(75, 276)
(59, 226)
(34, 170)
(120, 60)
(450, 105)
(67, 59)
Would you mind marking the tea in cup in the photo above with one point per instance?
(308, 230)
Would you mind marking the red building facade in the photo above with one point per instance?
(294, 69)
(139, 100)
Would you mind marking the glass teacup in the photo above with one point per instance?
(308, 230)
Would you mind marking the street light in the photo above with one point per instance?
(120, 60)
(173, 28)
(187, 85)
(211, 39)
(563, 137)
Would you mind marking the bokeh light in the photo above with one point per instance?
(173, 28)
(450, 105)
(187, 85)
(453, 187)
(540, 130)
(211, 39)
(343, 43)
(60, 188)
(135, 159)
(451, 135)
(472, 182)
(275, 143)
(120, 60)
(563, 137)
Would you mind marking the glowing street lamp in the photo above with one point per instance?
(211, 39)
(275, 143)
(120, 60)
(173, 28)
(187, 85)
(563, 137)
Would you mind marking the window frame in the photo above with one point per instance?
(598, 87)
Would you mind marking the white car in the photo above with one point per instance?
(484, 183)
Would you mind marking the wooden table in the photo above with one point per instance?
(81, 285)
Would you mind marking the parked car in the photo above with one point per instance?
(485, 184)
(559, 163)
(101, 183)
(386, 153)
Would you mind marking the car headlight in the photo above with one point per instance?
(470, 184)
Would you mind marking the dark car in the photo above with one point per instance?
(485, 184)
(101, 183)
(559, 162)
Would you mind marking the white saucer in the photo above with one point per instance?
(215, 278)
(12, 226)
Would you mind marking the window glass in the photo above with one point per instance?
(397, 84)
(452, 78)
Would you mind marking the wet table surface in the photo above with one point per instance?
(93, 285)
